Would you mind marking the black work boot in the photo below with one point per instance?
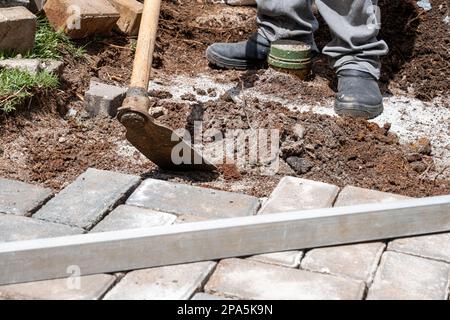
(241, 55)
(358, 95)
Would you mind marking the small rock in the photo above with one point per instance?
(422, 146)
(300, 165)
(419, 166)
(157, 112)
(200, 92)
(413, 157)
(299, 131)
(188, 97)
(289, 149)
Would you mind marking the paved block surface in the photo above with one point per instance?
(20, 198)
(130, 16)
(293, 194)
(15, 228)
(81, 18)
(205, 296)
(358, 261)
(104, 99)
(403, 277)
(289, 195)
(17, 29)
(353, 196)
(172, 282)
(84, 288)
(85, 202)
(183, 199)
(129, 217)
(246, 279)
(433, 246)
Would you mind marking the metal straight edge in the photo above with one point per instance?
(51, 258)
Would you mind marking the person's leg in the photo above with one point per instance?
(277, 19)
(354, 53)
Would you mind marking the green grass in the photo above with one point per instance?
(17, 86)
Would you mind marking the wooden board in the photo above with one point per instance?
(142, 248)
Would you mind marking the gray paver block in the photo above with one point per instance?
(358, 261)
(20, 198)
(178, 282)
(293, 194)
(404, 277)
(129, 217)
(86, 201)
(17, 29)
(31, 66)
(289, 195)
(183, 199)
(354, 195)
(436, 246)
(83, 288)
(16, 228)
(104, 99)
(245, 279)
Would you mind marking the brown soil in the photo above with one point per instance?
(43, 145)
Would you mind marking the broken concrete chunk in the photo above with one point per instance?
(130, 16)
(53, 66)
(31, 66)
(104, 99)
(17, 29)
(80, 18)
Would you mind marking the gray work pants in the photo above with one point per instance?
(354, 26)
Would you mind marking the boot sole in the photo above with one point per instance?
(358, 110)
(228, 63)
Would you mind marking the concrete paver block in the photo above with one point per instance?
(81, 18)
(404, 277)
(129, 217)
(205, 297)
(130, 16)
(245, 279)
(20, 198)
(32, 66)
(293, 194)
(15, 228)
(183, 199)
(17, 29)
(351, 195)
(104, 99)
(436, 246)
(86, 201)
(178, 282)
(358, 261)
(82, 288)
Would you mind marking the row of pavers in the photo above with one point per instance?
(410, 268)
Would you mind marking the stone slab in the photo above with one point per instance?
(183, 199)
(178, 282)
(129, 217)
(20, 198)
(405, 277)
(104, 99)
(289, 259)
(82, 288)
(293, 194)
(244, 279)
(81, 18)
(351, 195)
(435, 246)
(16, 228)
(88, 199)
(32, 66)
(17, 29)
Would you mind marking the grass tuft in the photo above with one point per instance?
(17, 86)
